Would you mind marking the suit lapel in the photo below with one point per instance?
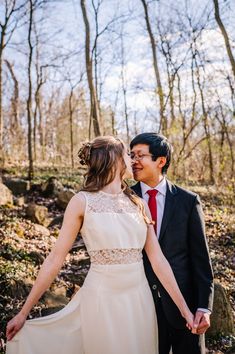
(137, 189)
(170, 204)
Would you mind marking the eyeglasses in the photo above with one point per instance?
(139, 157)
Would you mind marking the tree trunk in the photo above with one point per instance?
(163, 120)
(71, 127)
(1, 113)
(6, 30)
(206, 125)
(29, 99)
(15, 100)
(94, 109)
(225, 35)
(124, 94)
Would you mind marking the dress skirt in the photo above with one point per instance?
(112, 313)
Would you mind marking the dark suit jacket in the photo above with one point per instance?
(183, 242)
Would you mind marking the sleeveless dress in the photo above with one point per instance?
(113, 312)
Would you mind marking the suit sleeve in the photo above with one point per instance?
(200, 259)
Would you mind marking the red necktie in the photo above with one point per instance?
(152, 203)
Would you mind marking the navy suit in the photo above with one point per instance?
(183, 242)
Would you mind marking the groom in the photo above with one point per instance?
(179, 226)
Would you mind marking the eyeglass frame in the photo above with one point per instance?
(139, 157)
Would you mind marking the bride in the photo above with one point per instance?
(113, 312)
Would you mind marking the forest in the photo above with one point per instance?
(72, 70)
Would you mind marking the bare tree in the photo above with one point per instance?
(14, 100)
(94, 107)
(29, 98)
(225, 35)
(71, 114)
(7, 26)
(163, 120)
(124, 90)
(205, 122)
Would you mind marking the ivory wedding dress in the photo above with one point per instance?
(113, 312)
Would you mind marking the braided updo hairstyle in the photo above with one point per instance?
(101, 156)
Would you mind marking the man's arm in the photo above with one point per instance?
(202, 270)
(200, 259)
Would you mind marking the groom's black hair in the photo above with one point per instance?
(158, 146)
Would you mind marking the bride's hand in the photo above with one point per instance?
(190, 320)
(14, 325)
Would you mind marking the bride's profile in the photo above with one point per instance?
(113, 312)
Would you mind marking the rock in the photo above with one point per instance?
(59, 290)
(52, 187)
(36, 257)
(36, 187)
(57, 220)
(42, 230)
(17, 185)
(37, 214)
(52, 299)
(20, 201)
(64, 197)
(231, 350)
(17, 289)
(5, 195)
(221, 317)
(78, 243)
(50, 310)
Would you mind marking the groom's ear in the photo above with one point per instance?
(161, 161)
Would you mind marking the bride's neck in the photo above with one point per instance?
(114, 187)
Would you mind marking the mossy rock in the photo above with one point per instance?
(221, 317)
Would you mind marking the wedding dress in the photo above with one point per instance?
(113, 312)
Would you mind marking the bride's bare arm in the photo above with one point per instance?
(72, 223)
(164, 272)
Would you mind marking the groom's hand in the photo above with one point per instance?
(201, 322)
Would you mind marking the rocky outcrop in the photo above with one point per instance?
(42, 230)
(64, 197)
(5, 195)
(221, 317)
(52, 187)
(38, 214)
(17, 185)
(19, 201)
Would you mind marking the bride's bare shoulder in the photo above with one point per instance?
(77, 204)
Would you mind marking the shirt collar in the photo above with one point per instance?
(160, 187)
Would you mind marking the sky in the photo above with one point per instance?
(61, 28)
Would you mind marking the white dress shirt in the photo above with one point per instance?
(161, 198)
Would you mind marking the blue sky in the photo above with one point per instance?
(62, 30)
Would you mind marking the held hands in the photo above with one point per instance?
(189, 319)
(14, 325)
(200, 324)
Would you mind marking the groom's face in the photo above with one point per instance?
(144, 168)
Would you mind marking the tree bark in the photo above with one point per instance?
(124, 93)
(206, 125)
(163, 120)
(225, 35)
(94, 109)
(71, 127)
(5, 35)
(1, 115)
(29, 99)
(14, 100)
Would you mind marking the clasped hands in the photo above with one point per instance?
(201, 323)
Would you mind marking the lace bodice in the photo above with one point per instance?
(113, 230)
(102, 202)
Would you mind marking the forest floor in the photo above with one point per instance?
(24, 246)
